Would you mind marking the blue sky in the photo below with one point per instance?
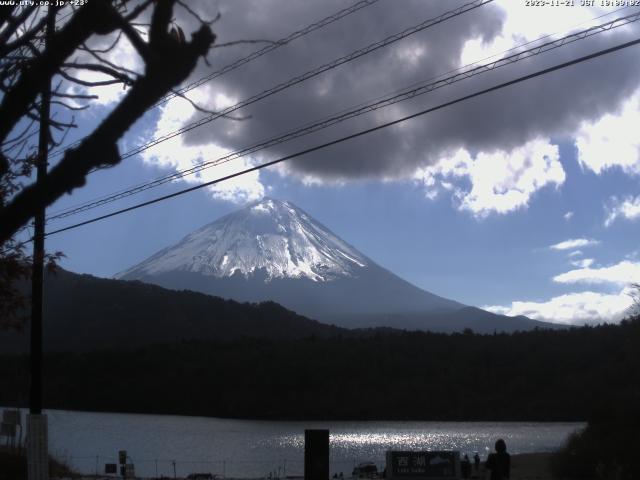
(526, 202)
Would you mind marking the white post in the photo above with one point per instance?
(37, 447)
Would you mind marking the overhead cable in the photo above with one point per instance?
(355, 135)
(361, 110)
(252, 56)
(310, 74)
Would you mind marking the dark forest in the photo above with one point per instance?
(539, 375)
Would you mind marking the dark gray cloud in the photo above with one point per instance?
(554, 105)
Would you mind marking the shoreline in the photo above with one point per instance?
(88, 437)
(293, 419)
(524, 466)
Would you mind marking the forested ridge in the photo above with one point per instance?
(86, 313)
(539, 375)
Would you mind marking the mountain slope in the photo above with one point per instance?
(269, 235)
(83, 313)
(272, 250)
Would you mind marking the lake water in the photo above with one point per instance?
(249, 448)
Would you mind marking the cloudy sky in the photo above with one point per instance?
(521, 201)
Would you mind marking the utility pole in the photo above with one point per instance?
(38, 451)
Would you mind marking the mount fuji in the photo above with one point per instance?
(272, 250)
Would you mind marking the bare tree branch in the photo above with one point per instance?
(134, 37)
(69, 106)
(119, 68)
(198, 17)
(28, 64)
(15, 22)
(19, 136)
(138, 10)
(204, 110)
(107, 70)
(26, 37)
(6, 13)
(74, 95)
(111, 46)
(96, 16)
(88, 83)
(100, 147)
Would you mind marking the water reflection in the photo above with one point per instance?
(465, 436)
(242, 448)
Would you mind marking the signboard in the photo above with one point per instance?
(11, 416)
(122, 457)
(110, 468)
(423, 465)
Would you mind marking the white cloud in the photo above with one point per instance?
(573, 308)
(523, 24)
(501, 181)
(574, 243)
(174, 153)
(628, 208)
(568, 215)
(622, 273)
(584, 263)
(575, 253)
(612, 141)
(123, 54)
(587, 307)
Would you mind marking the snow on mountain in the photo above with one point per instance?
(269, 235)
(272, 251)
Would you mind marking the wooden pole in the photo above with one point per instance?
(38, 451)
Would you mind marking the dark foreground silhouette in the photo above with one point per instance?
(607, 448)
(13, 465)
(539, 375)
(499, 463)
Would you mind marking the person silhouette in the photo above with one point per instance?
(499, 463)
(465, 467)
(476, 461)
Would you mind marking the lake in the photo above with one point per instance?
(251, 448)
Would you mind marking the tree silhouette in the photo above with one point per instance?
(28, 64)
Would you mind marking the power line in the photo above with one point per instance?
(252, 56)
(361, 110)
(236, 64)
(182, 173)
(357, 134)
(307, 75)
(310, 74)
(269, 48)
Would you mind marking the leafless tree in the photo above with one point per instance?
(31, 58)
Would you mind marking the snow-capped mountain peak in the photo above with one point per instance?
(272, 251)
(270, 235)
